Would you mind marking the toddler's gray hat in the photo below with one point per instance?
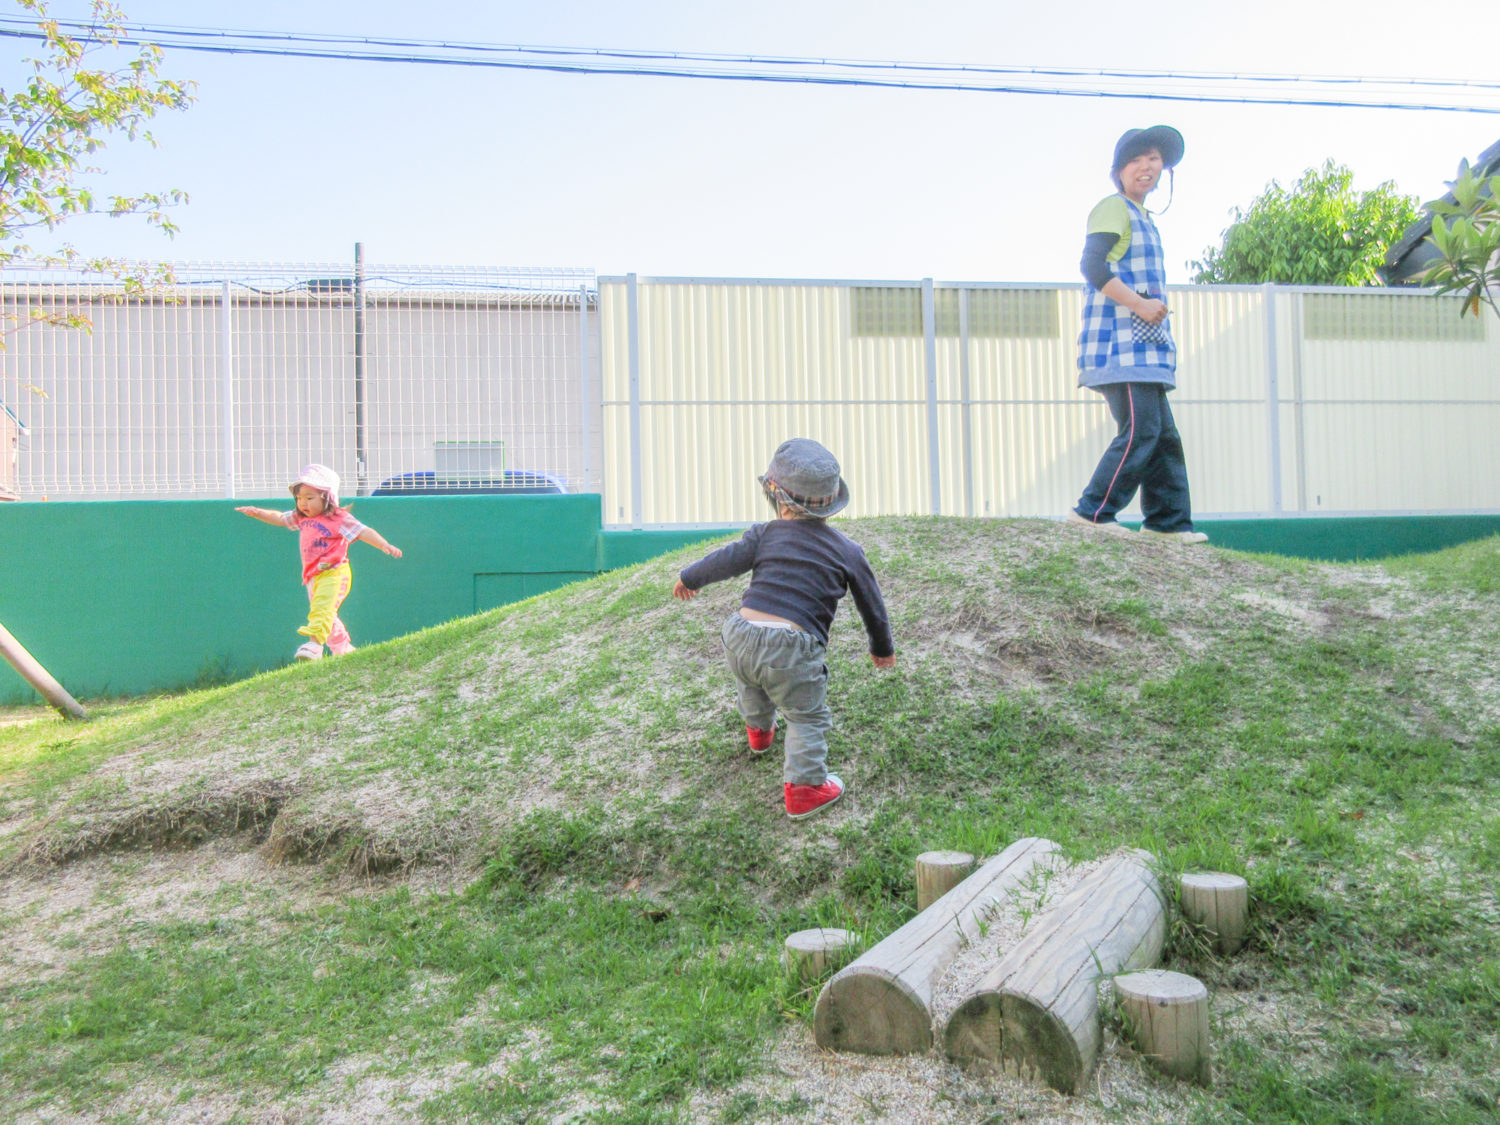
(806, 476)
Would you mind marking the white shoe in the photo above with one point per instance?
(1111, 526)
(1180, 536)
(312, 650)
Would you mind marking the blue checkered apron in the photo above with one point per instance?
(1112, 336)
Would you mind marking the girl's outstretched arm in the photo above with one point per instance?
(375, 539)
(265, 515)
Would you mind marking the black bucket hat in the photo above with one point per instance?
(806, 476)
(1133, 142)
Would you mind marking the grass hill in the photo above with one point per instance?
(519, 867)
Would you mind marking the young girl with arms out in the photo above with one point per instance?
(326, 530)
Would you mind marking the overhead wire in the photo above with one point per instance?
(795, 70)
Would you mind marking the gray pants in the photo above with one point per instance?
(783, 670)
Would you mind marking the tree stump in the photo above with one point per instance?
(882, 1003)
(1221, 905)
(1037, 1012)
(811, 954)
(1166, 1017)
(938, 873)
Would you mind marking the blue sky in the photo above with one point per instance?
(296, 160)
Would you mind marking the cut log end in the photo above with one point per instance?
(1010, 1034)
(938, 873)
(871, 1014)
(1219, 903)
(813, 954)
(1166, 1017)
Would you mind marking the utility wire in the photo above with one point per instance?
(753, 68)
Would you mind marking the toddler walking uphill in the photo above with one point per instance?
(325, 530)
(775, 643)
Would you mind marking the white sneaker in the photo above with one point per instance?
(312, 650)
(1111, 526)
(1180, 536)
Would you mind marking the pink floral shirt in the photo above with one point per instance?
(325, 539)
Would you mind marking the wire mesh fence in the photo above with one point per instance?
(226, 379)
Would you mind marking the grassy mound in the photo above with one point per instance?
(520, 866)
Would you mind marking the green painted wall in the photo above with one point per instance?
(127, 597)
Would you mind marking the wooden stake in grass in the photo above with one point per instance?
(1037, 1012)
(1220, 904)
(38, 677)
(938, 873)
(812, 954)
(1166, 1017)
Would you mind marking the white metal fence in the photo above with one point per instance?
(962, 399)
(230, 378)
(667, 395)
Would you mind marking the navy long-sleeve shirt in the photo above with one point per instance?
(801, 568)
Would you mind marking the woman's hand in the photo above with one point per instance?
(1151, 310)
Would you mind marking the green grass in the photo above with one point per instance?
(625, 874)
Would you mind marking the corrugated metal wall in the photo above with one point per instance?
(1310, 401)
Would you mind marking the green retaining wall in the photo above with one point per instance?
(127, 597)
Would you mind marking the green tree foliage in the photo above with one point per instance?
(79, 93)
(1466, 233)
(82, 89)
(1321, 232)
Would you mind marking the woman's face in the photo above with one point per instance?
(1139, 177)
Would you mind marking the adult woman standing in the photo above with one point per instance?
(1125, 350)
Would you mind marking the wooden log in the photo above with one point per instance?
(938, 873)
(1036, 1014)
(1166, 1017)
(882, 1003)
(1219, 903)
(812, 954)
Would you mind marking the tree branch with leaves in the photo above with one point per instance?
(1466, 233)
(82, 90)
(77, 96)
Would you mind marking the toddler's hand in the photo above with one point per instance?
(883, 661)
(394, 552)
(682, 593)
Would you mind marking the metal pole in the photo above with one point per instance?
(1273, 394)
(929, 338)
(361, 472)
(38, 677)
(633, 319)
(226, 375)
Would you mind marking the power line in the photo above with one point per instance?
(752, 68)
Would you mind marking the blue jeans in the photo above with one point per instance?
(1146, 454)
(783, 670)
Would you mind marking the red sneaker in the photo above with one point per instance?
(803, 801)
(760, 740)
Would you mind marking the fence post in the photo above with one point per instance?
(967, 400)
(1273, 393)
(226, 375)
(583, 372)
(633, 319)
(929, 339)
(361, 471)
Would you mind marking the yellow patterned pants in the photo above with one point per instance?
(325, 593)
